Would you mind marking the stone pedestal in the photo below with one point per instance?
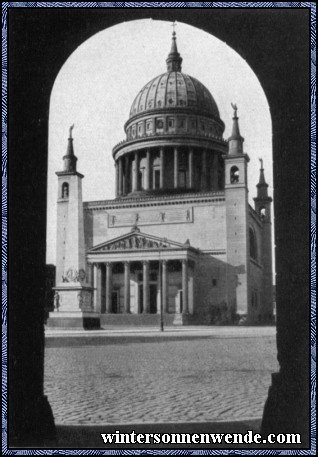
(73, 308)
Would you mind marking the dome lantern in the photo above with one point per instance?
(174, 60)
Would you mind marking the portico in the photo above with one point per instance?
(136, 272)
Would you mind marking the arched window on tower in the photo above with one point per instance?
(65, 190)
(262, 213)
(253, 244)
(234, 175)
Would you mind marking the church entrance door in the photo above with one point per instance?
(115, 302)
(141, 299)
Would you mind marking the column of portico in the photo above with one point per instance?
(176, 167)
(191, 168)
(185, 305)
(97, 287)
(108, 287)
(164, 287)
(145, 287)
(191, 289)
(162, 167)
(136, 172)
(127, 287)
(147, 170)
(204, 170)
(120, 176)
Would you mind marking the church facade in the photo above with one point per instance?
(180, 239)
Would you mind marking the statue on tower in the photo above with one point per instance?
(70, 130)
(234, 106)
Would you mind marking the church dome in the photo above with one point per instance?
(173, 115)
(174, 89)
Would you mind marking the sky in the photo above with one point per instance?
(96, 86)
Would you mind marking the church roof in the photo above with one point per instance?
(174, 89)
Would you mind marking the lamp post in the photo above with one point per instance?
(160, 293)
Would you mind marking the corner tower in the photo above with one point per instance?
(73, 294)
(236, 198)
(70, 255)
(263, 205)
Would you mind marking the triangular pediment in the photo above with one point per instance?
(136, 240)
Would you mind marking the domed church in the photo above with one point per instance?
(180, 241)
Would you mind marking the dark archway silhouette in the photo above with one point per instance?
(275, 43)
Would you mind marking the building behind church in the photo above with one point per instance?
(180, 238)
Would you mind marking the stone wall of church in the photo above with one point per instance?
(203, 224)
(215, 285)
(256, 272)
(256, 294)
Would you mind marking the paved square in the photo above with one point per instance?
(210, 374)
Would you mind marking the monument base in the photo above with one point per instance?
(73, 304)
(86, 320)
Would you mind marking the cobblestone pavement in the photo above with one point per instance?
(135, 379)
